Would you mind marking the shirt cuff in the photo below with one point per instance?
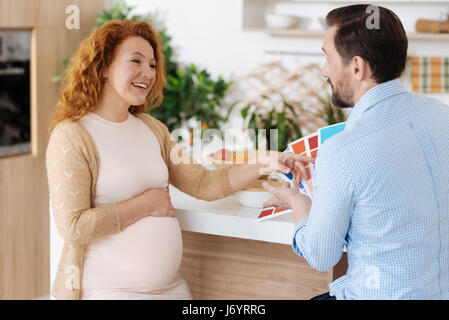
(299, 227)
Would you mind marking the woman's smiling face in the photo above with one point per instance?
(132, 72)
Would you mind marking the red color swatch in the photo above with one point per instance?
(266, 212)
(313, 142)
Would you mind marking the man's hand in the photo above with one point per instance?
(289, 198)
(277, 202)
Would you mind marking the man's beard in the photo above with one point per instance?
(341, 98)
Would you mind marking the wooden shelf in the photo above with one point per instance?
(374, 2)
(428, 36)
(320, 33)
(290, 32)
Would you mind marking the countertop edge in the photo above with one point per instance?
(214, 223)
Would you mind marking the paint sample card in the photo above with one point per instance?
(313, 142)
(327, 132)
(309, 146)
(266, 212)
(303, 187)
(271, 212)
(298, 146)
(288, 177)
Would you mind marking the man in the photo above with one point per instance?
(381, 185)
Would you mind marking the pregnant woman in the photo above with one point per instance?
(109, 166)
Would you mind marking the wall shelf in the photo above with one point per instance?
(354, 1)
(320, 34)
(254, 11)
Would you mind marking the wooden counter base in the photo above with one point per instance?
(228, 268)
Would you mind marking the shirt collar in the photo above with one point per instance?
(372, 97)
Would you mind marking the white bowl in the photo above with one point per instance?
(254, 195)
(281, 21)
(253, 199)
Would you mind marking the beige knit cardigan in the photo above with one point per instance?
(72, 168)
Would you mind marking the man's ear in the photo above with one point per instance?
(360, 68)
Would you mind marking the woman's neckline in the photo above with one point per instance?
(104, 120)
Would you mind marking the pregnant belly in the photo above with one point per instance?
(146, 256)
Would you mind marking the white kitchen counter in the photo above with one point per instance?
(227, 217)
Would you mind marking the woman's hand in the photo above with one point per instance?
(285, 162)
(152, 202)
(156, 202)
(266, 163)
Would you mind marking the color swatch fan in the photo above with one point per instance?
(271, 212)
(307, 146)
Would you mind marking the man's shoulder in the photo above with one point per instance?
(425, 104)
(331, 150)
(425, 98)
(336, 142)
(338, 145)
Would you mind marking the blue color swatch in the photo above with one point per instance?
(328, 132)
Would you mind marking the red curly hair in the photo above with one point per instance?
(83, 84)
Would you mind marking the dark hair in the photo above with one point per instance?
(385, 47)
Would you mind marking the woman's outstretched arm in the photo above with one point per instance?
(241, 175)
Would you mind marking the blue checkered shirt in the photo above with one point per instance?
(382, 191)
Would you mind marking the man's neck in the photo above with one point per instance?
(364, 87)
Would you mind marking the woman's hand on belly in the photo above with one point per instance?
(157, 203)
(152, 202)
